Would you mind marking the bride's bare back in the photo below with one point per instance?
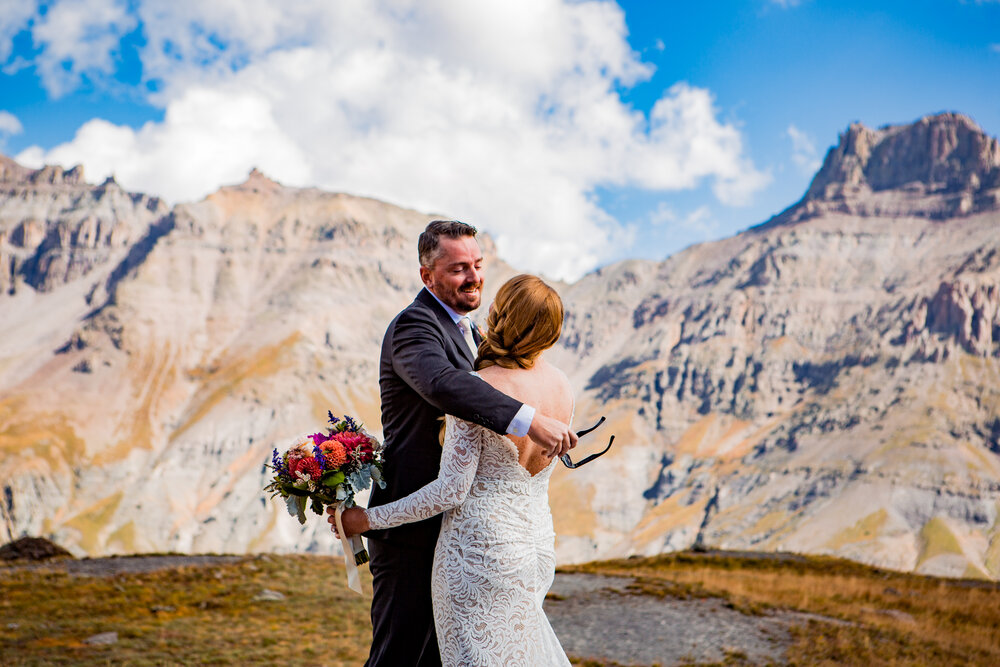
(543, 386)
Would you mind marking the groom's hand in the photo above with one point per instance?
(354, 519)
(552, 435)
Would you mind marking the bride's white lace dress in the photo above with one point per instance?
(495, 557)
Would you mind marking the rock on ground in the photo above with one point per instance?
(32, 548)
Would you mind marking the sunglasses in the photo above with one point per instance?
(568, 462)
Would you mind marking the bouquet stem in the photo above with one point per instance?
(358, 548)
(354, 552)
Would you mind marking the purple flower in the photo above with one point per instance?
(319, 438)
(278, 464)
(320, 458)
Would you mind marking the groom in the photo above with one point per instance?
(427, 353)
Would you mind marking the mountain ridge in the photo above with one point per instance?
(825, 382)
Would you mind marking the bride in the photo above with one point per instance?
(495, 558)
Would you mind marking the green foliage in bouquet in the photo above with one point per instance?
(327, 469)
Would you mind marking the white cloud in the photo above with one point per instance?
(786, 4)
(78, 38)
(804, 153)
(14, 17)
(505, 114)
(995, 48)
(686, 144)
(9, 124)
(208, 138)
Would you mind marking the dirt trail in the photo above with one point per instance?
(596, 617)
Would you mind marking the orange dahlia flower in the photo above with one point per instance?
(334, 453)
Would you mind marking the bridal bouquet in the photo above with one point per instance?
(328, 469)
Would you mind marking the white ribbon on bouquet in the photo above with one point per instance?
(351, 546)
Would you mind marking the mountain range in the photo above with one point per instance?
(826, 382)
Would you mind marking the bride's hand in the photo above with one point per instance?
(354, 519)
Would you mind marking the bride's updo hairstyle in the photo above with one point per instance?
(526, 318)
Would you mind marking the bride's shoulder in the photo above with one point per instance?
(554, 372)
(503, 379)
(542, 377)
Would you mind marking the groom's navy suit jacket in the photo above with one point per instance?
(423, 375)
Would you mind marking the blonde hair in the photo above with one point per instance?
(525, 320)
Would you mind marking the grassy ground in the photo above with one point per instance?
(870, 616)
(208, 615)
(187, 616)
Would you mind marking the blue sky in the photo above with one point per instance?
(577, 133)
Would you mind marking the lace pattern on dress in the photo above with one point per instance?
(495, 557)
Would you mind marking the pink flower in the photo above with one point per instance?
(358, 445)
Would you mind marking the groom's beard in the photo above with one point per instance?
(462, 300)
(470, 296)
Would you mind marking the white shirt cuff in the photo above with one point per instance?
(521, 422)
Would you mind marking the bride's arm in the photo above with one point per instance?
(459, 459)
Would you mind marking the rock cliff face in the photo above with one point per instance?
(826, 382)
(54, 228)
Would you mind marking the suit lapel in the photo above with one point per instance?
(447, 325)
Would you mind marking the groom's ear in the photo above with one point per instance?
(425, 275)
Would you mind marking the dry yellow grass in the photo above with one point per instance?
(187, 616)
(203, 615)
(872, 616)
(208, 615)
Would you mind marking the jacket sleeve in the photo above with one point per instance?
(459, 460)
(419, 358)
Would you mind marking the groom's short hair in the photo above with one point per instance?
(429, 242)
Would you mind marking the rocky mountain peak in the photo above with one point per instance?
(55, 227)
(946, 152)
(55, 175)
(945, 155)
(938, 167)
(257, 181)
(12, 172)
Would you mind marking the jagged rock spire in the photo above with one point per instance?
(943, 153)
(939, 167)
